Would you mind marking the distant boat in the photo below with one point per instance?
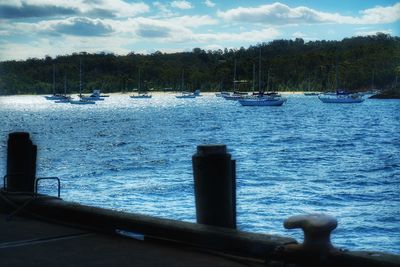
(235, 95)
(222, 93)
(81, 100)
(185, 94)
(64, 98)
(55, 96)
(260, 98)
(341, 97)
(97, 93)
(95, 96)
(140, 95)
(262, 101)
(91, 98)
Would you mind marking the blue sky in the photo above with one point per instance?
(36, 28)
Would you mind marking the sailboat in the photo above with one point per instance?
(54, 96)
(262, 99)
(184, 94)
(140, 95)
(235, 95)
(64, 98)
(340, 96)
(81, 100)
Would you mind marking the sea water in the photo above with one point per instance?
(303, 157)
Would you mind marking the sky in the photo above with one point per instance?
(39, 28)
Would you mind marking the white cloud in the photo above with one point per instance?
(181, 4)
(366, 33)
(209, 3)
(80, 26)
(54, 8)
(299, 34)
(164, 9)
(213, 47)
(250, 36)
(378, 15)
(281, 14)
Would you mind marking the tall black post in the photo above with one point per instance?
(21, 163)
(215, 186)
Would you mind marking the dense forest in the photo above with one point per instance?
(358, 63)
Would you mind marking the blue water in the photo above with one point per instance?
(303, 157)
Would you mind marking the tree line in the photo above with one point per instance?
(356, 64)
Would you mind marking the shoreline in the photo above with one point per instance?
(157, 93)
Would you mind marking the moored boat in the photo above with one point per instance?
(185, 94)
(141, 94)
(264, 100)
(341, 97)
(82, 100)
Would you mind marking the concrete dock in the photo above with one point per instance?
(29, 242)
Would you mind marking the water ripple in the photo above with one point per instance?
(303, 157)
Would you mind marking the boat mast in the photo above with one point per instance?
(65, 84)
(254, 75)
(139, 81)
(80, 77)
(337, 74)
(234, 77)
(54, 79)
(183, 81)
(259, 72)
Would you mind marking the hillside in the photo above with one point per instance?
(361, 63)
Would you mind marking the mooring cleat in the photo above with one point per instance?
(317, 229)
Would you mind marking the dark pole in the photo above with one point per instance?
(215, 186)
(21, 163)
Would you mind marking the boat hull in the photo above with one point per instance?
(232, 97)
(262, 102)
(54, 97)
(341, 100)
(92, 99)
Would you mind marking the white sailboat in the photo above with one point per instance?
(55, 96)
(235, 95)
(97, 93)
(140, 95)
(340, 96)
(262, 99)
(185, 94)
(64, 98)
(81, 101)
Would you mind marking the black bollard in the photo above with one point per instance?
(21, 163)
(215, 186)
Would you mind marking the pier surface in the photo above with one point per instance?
(31, 242)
